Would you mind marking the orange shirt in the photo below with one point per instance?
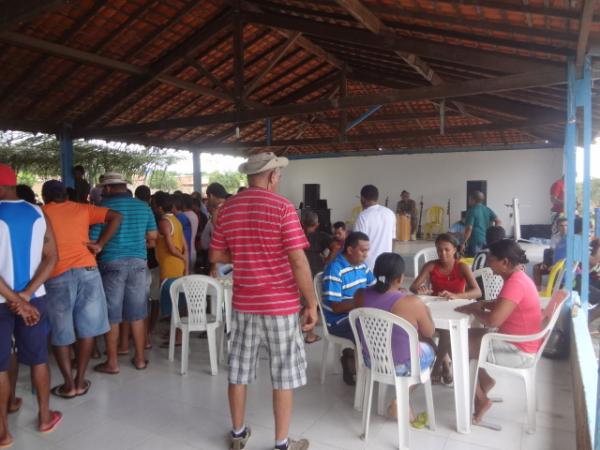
(71, 225)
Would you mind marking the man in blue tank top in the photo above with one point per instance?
(27, 257)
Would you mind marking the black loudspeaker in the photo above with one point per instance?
(312, 194)
(476, 185)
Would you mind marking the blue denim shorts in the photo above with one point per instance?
(426, 359)
(125, 283)
(31, 342)
(76, 305)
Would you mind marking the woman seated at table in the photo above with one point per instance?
(387, 295)
(449, 278)
(516, 311)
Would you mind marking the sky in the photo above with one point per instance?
(208, 163)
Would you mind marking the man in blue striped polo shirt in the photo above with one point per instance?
(341, 279)
(122, 264)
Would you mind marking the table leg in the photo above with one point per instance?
(459, 339)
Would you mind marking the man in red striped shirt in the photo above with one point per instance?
(259, 232)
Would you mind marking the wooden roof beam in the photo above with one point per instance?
(275, 58)
(13, 13)
(585, 25)
(380, 137)
(391, 42)
(157, 72)
(372, 23)
(448, 91)
(561, 13)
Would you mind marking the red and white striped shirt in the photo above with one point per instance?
(260, 228)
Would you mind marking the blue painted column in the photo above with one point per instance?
(570, 171)
(584, 92)
(597, 222)
(66, 156)
(197, 173)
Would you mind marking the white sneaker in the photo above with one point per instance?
(238, 443)
(302, 444)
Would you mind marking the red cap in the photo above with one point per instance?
(7, 176)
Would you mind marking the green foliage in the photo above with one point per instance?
(231, 181)
(39, 154)
(163, 180)
(27, 178)
(594, 193)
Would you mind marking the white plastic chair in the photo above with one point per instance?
(492, 283)
(194, 288)
(423, 257)
(549, 318)
(337, 344)
(480, 261)
(376, 329)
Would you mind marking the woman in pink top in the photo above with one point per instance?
(516, 311)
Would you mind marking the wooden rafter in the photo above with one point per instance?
(14, 12)
(380, 137)
(585, 25)
(422, 48)
(452, 91)
(275, 58)
(157, 72)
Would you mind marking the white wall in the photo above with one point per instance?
(526, 174)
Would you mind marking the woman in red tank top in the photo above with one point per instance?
(449, 278)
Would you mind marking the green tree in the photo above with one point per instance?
(26, 178)
(163, 180)
(231, 181)
(594, 193)
(39, 154)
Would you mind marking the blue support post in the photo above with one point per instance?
(197, 173)
(597, 222)
(570, 175)
(66, 156)
(363, 117)
(585, 96)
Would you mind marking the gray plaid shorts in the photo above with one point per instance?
(282, 338)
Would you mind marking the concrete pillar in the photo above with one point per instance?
(197, 172)
(66, 157)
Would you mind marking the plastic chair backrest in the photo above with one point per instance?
(318, 286)
(195, 288)
(492, 283)
(550, 316)
(426, 254)
(480, 261)
(376, 328)
(552, 278)
(435, 214)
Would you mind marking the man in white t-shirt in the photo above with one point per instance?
(377, 222)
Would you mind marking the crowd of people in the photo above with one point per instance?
(99, 262)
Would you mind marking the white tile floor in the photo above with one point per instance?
(159, 409)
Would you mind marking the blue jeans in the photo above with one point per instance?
(76, 305)
(31, 341)
(342, 329)
(125, 283)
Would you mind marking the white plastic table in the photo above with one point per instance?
(446, 318)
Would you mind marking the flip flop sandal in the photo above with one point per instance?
(144, 367)
(15, 409)
(8, 444)
(88, 385)
(56, 390)
(420, 421)
(57, 418)
(316, 339)
(101, 368)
